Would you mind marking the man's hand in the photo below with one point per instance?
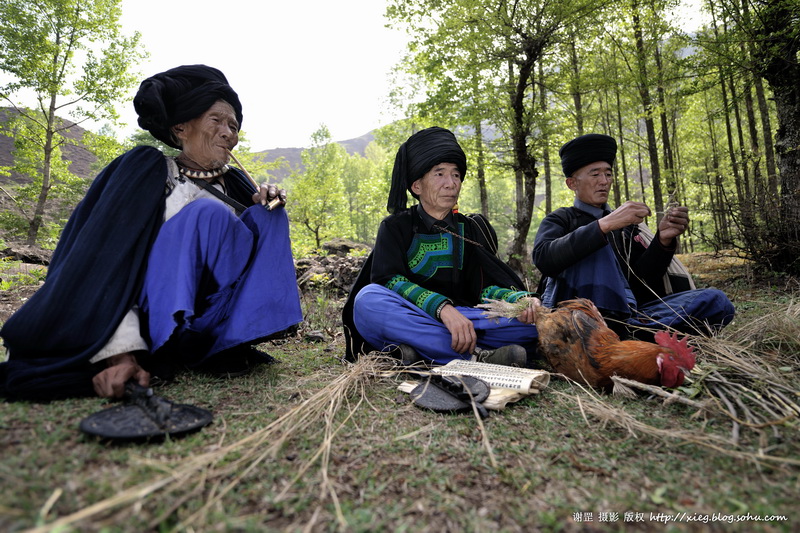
(528, 316)
(674, 223)
(625, 215)
(269, 192)
(460, 327)
(110, 383)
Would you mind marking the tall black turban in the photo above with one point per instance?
(180, 95)
(417, 156)
(586, 149)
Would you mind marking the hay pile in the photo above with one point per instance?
(746, 378)
(213, 475)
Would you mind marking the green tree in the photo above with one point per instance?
(66, 186)
(317, 206)
(484, 54)
(71, 56)
(775, 27)
(366, 186)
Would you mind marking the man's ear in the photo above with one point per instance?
(177, 130)
(572, 183)
(416, 188)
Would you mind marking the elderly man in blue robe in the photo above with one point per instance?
(167, 263)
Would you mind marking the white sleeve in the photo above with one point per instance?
(126, 339)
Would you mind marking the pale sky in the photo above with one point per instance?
(295, 64)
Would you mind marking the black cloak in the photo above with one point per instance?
(93, 280)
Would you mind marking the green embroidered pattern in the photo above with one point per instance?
(425, 299)
(493, 292)
(428, 253)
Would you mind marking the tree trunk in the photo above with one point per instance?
(524, 163)
(769, 146)
(576, 87)
(647, 106)
(641, 173)
(621, 142)
(777, 57)
(731, 151)
(548, 183)
(609, 121)
(38, 213)
(766, 126)
(721, 231)
(743, 160)
(759, 186)
(787, 101)
(480, 163)
(669, 160)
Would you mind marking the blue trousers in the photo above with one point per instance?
(699, 311)
(385, 320)
(215, 281)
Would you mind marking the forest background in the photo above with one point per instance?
(709, 119)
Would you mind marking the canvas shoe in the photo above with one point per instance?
(510, 355)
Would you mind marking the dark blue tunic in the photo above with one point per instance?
(99, 269)
(622, 276)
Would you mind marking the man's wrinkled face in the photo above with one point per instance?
(439, 188)
(208, 138)
(592, 183)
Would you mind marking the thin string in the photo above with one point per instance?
(627, 259)
(481, 228)
(446, 230)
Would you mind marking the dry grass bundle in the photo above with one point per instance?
(494, 309)
(592, 404)
(749, 373)
(213, 475)
(746, 375)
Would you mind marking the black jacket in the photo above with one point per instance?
(568, 235)
(482, 267)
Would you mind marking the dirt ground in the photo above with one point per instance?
(12, 299)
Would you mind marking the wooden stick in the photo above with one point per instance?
(275, 202)
(246, 173)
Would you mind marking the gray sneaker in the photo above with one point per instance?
(408, 355)
(511, 355)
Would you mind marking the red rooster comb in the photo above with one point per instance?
(681, 347)
(683, 359)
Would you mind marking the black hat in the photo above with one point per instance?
(417, 156)
(179, 95)
(587, 149)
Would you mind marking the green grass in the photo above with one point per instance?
(14, 273)
(393, 466)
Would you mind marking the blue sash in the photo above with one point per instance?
(596, 277)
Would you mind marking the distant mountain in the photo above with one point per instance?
(82, 160)
(292, 155)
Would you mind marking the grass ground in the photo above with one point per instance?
(314, 444)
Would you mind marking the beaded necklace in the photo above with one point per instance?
(200, 174)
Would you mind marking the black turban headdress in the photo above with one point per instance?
(420, 153)
(586, 149)
(179, 95)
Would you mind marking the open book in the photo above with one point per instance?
(522, 380)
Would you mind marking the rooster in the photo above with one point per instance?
(577, 342)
